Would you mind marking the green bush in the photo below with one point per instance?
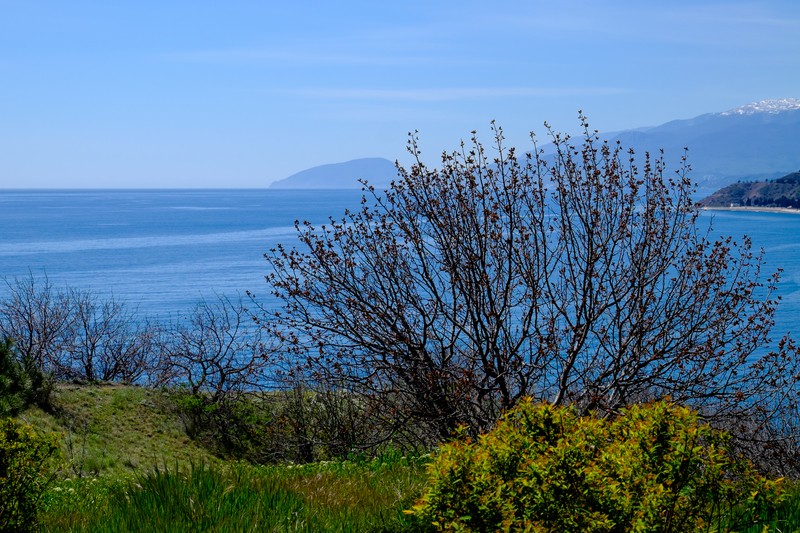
(655, 468)
(12, 381)
(298, 424)
(24, 457)
(22, 382)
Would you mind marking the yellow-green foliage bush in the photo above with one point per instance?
(654, 468)
(24, 456)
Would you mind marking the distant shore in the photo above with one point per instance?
(790, 210)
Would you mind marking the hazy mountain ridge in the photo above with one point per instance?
(756, 141)
(378, 171)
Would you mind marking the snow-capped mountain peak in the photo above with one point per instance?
(766, 106)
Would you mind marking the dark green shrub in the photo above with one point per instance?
(22, 382)
(12, 381)
(324, 423)
(232, 425)
(298, 424)
(654, 468)
(24, 457)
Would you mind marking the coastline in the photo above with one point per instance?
(788, 210)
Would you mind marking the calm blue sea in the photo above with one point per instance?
(161, 251)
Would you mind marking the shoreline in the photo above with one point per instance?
(787, 210)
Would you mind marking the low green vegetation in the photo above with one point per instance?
(128, 465)
(341, 496)
(112, 430)
(25, 471)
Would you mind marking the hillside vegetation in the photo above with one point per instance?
(782, 192)
(128, 464)
(111, 429)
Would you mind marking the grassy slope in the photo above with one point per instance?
(108, 430)
(128, 465)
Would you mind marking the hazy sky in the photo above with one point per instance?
(237, 93)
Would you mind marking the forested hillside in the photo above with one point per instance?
(782, 192)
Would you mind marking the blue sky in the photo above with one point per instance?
(238, 94)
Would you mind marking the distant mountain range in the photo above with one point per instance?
(757, 141)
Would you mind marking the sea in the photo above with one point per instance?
(162, 251)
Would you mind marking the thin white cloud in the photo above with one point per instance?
(773, 22)
(293, 57)
(719, 23)
(453, 94)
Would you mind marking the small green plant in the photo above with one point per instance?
(654, 468)
(24, 473)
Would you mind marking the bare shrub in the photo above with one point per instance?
(75, 334)
(39, 318)
(109, 343)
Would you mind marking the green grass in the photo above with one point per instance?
(341, 496)
(786, 519)
(111, 430)
(128, 465)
